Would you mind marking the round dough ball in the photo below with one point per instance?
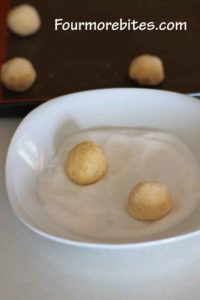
(23, 20)
(86, 163)
(149, 201)
(147, 70)
(18, 74)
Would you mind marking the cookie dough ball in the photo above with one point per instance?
(149, 201)
(23, 20)
(86, 163)
(18, 74)
(147, 70)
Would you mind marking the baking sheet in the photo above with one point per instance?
(74, 61)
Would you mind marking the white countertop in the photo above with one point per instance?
(32, 267)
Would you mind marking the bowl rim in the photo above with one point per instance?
(87, 244)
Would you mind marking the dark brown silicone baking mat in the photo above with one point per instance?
(70, 61)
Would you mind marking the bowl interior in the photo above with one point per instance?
(41, 133)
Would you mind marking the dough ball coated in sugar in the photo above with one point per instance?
(23, 20)
(86, 163)
(147, 70)
(149, 201)
(18, 74)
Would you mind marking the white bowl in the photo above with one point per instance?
(41, 133)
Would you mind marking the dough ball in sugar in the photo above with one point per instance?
(149, 201)
(86, 163)
(18, 74)
(147, 70)
(23, 20)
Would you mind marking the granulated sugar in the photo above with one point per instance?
(100, 210)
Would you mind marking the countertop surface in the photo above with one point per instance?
(32, 267)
